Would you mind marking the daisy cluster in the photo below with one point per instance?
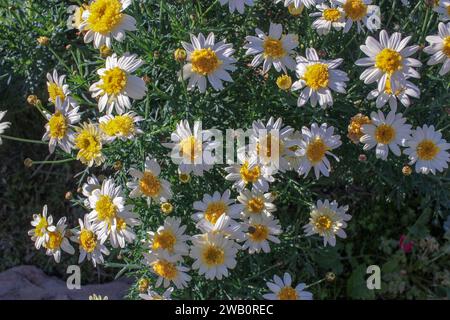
(225, 224)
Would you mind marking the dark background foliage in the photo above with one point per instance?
(384, 203)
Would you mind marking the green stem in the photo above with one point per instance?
(315, 283)
(60, 59)
(42, 110)
(21, 139)
(54, 161)
(209, 8)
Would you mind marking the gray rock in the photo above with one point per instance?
(31, 283)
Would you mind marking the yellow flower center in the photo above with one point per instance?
(165, 269)
(287, 293)
(106, 209)
(213, 256)
(89, 143)
(88, 240)
(284, 82)
(119, 125)
(57, 125)
(316, 76)
(54, 241)
(273, 48)
(384, 134)
(446, 45)
(215, 210)
(427, 150)
(41, 227)
(331, 15)
(316, 150)
(259, 232)
(164, 240)
(255, 205)
(149, 184)
(355, 9)
(204, 61)
(104, 15)
(389, 61)
(249, 175)
(55, 91)
(114, 81)
(323, 223)
(190, 148)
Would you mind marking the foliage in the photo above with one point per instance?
(384, 203)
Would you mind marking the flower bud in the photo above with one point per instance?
(180, 55)
(43, 41)
(284, 82)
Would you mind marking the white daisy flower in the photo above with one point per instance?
(388, 59)
(443, 9)
(148, 184)
(282, 289)
(57, 87)
(153, 295)
(272, 138)
(386, 133)
(188, 148)
(428, 150)
(3, 125)
(328, 17)
(59, 131)
(260, 230)
(315, 145)
(440, 48)
(168, 269)
(274, 49)
(360, 12)
(169, 237)
(108, 206)
(207, 60)
(120, 126)
(238, 5)
(75, 16)
(225, 226)
(300, 3)
(256, 203)
(117, 85)
(104, 19)
(328, 221)
(42, 226)
(213, 254)
(58, 241)
(211, 208)
(403, 94)
(317, 78)
(90, 246)
(248, 171)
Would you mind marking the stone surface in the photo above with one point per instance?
(31, 283)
